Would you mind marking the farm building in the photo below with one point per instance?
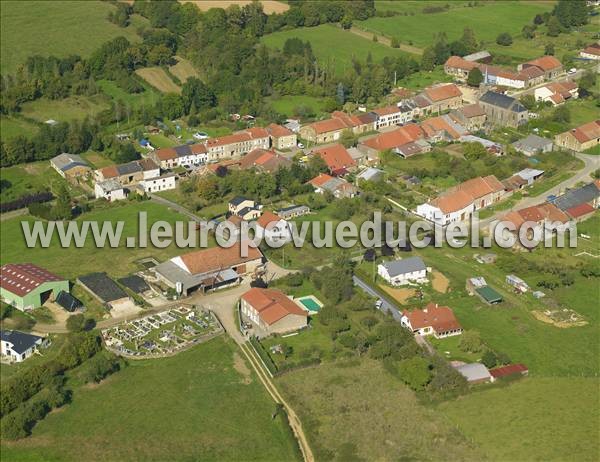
(70, 165)
(134, 283)
(68, 302)
(103, 288)
(475, 283)
(18, 346)
(405, 271)
(532, 145)
(272, 311)
(208, 269)
(507, 371)
(26, 286)
(435, 320)
(475, 373)
(489, 295)
(293, 211)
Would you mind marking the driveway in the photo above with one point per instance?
(386, 306)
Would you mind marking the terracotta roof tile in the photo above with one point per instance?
(336, 157)
(443, 92)
(22, 278)
(547, 63)
(440, 318)
(272, 305)
(216, 258)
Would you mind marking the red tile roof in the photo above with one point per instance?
(508, 370)
(459, 63)
(277, 131)
(436, 124)
(453, 202)
(472, 110)
(395, 138)
(440, 318)
(593, 49)
(320, 180)
(546, 63)
(22, 278)
(580, 210)
(531, 72)
(218, 258)
(166, 154)
(387, 110)
(336, 157)
(587, 132)
(109, 172)
(328, 125)
(443, 92)
(272, 305)
(266, 160)
(267, 218)
(537, 214)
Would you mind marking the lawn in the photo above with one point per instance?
(71, 262)
(355, 410)
(135, 100)
(64, 110)
(487, 21)
(13, 126)
(59, 28)
(287, 104)
(552, 419)
(96, 159)
(27, 179)
(203, 404)
(420, 80)
(324, 37)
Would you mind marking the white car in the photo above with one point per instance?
(300, 145)
(572, 71)
(200, 136)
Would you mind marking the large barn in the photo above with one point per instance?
(26, 286)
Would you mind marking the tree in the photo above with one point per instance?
(428, 59)
(538, 20)
(475, 77)
(528, 31)
(562, 115)
(587, 81)
(554, 28)
(76, 322)
(62, 210)
(469, 40)
(415, 372)
(470, 341)
(395, 42)
(549, 49)
(489, 359)
(348, 139)
(346, 22)
(375, 39)
(474, 151)
(528, 101)
(504, 39)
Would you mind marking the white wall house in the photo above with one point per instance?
(159, 183)
(511, 81)
(444, 217)
(405, 271)
(111, 190)
(18, 346)
(275, 229)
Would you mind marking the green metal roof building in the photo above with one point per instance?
(26, 286)
(489, 295)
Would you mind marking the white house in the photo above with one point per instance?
(159, 183)
(18, 346)
(273, 228)
(445, 210)
(405, 271)
(435, 320)
(508, 79)
(111, 190)
(557, 92)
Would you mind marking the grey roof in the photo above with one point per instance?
(474, 372)
(370, 174)
(294, 208)
(67, 301)
(529, 173)
(578, 196)
(21, 341)
(134, 283)
(532, 143)
(477, 55)
(67, 161)
(503, 101)
(476, 139)
(102, 286)
(237, 200)
(406, 265)
(173, 273)
(110, 185)
(183, 150)
(129, 167)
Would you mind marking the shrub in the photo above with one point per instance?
(25, 201)
(470, 341)
(489, 359)
(504, 39)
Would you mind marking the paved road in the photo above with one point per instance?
(592, 163)
(386, 306)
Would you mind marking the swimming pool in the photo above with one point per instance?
(310, 302)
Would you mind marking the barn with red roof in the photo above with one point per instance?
(27, 286)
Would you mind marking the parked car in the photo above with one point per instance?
(300, 145)
(378, 303)
(201, 136)
(572, 71)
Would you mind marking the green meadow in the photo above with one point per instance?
(203, 404)
(60, 28)
(14, 126)
(333, 46)
(71, 262)
(27, 179)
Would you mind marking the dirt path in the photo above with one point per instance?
(385, 41)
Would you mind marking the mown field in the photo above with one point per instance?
(288, 104)
(13, 126)
(333, 46)
(487, 21)
(71, 262)
(203, 404)
(65, 110)
(159, 79)
(147, 98)
(27, 179)
(58, 28)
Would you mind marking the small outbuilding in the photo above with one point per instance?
(68, 302)
(475, 373)
(489, 295)
(532, 145)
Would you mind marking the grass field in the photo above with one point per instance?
(135, 100)
(203, 404)
(487, 21)
(58, 28)
(13, 126)
(323, 37)
(97, 160)
(558, 415)
(71, 262)
(269, 6)
(158, 79)
(64, 110)
(357, 411)
(28, 179)
(183, 70)
(287, 104)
